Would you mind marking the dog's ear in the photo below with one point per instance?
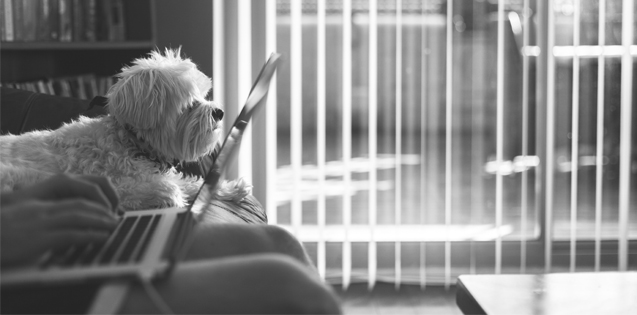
(152, 90)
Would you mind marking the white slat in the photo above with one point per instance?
(525, 133)
(423, 152)
(270, 112)
(625, 131)
(217, 53)
(599, 159)
(374, 233)
(372, 92)
(321, 128)
(477, 141)
(575, 136)
(499, 134)
(347, 135)
(244, 82)
(448, 136)
(550, 138)
(296, 115)
(399, 142)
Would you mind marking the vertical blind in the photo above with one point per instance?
(411, 141)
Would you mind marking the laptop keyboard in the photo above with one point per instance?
(128, 243)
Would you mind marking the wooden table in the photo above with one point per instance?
(558, 293)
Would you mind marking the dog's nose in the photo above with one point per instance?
(217, 114)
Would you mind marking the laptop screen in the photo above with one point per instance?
(213, 165)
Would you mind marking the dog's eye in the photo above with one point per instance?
(193, 105)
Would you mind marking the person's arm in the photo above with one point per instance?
(59, 212)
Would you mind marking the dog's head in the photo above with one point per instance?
(162, 99)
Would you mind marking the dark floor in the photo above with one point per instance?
(409, 299)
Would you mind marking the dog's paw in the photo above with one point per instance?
(189, 184)
(233, 191)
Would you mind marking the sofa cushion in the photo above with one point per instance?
(23, 111)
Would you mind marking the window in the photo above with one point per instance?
(416, 140)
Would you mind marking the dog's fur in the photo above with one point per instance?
(158, 116)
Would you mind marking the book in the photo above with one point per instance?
(18, 20)
(8, 20)
(30, 86)
(89, 10)
(42, 88)
(77, 16)
(66, 20)
(54, 20)
(102, 27)
(90, 85)
(62, 20)
(30, 18)
(104, 84)
(43, 24)
(117, 30)
(49, 87)
(77, 87)
(82, 86)
(3, 33)
(61, 87)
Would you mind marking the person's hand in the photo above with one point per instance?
(57, 213)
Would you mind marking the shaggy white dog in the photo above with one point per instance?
(158, 117)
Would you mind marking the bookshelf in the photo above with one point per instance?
(102, 53)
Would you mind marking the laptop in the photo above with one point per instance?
(148, 243)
